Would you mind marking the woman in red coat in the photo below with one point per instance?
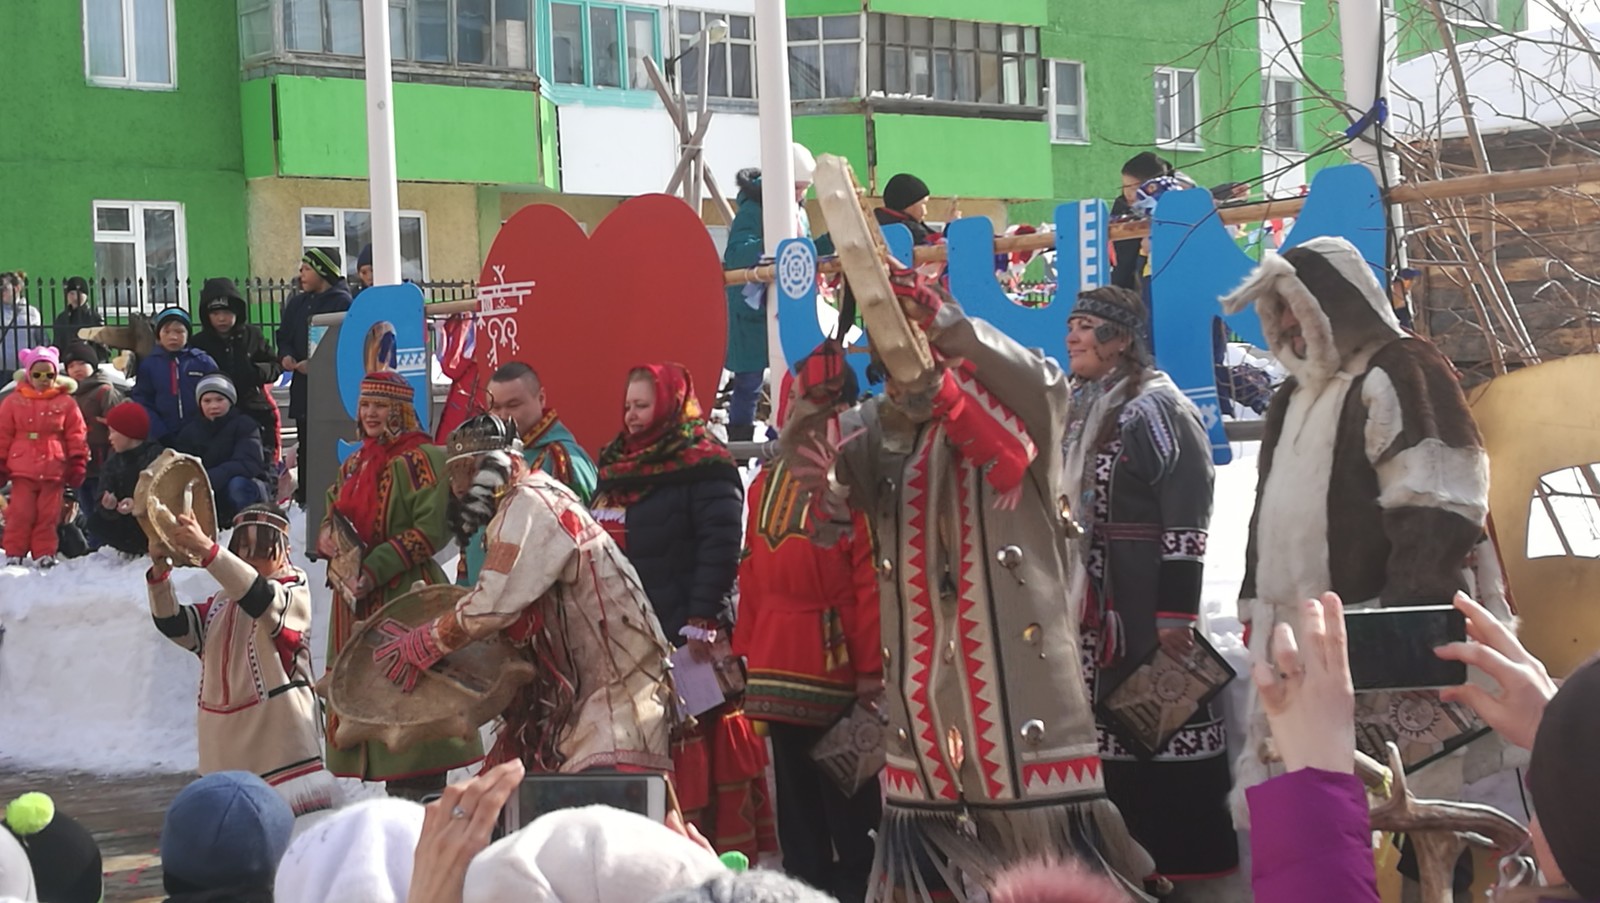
(808, 624)
(43, 449)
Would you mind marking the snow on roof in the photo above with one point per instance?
(1541, 77)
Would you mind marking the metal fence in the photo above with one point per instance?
(114, 300)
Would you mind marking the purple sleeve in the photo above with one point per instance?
(1310, 840)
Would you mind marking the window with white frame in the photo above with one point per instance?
(1066, 102)
(348, 231)
(601, 45)
(732, 63)
(1280, 114)
(824, 57)
(955, 60)
(129, 43)
(141, 251)
(1177, 107)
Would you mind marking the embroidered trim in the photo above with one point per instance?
(1186, 544)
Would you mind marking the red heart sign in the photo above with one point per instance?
(646, 287)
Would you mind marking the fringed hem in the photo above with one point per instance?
(923, 856)
(311, 792)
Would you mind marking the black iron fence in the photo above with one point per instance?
(31, 307)
(116, 300)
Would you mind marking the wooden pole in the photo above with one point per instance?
(1239, 214)
(1438, 189)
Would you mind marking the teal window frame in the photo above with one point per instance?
(546, 59)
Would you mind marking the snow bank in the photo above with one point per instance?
(88, 683)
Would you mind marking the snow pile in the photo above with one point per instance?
(88, 683)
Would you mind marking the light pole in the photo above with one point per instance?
(382, 185)
(778, 204)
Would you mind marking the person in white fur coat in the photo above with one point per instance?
(1373, 479)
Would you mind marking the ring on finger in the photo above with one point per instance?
(458, 812)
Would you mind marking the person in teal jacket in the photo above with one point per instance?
(516, 395)
(747, 304)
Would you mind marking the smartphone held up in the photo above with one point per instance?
(1393, 648)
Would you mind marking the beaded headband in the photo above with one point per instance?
(1126, 317)
(387, 385)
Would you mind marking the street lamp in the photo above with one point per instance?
(714, 32)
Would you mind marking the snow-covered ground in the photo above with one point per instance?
(87, 683)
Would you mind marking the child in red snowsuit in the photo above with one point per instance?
(43, 450)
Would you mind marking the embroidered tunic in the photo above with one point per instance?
(412, 495)
(258, 712)
(990, 730)
(808, 615)
(1150, 508)
(558, 586)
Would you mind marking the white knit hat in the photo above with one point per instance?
(16, 872)
(595, 854)
(361, 854)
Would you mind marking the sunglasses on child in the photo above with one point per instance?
(42, 375)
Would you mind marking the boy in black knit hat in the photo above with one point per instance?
(241, 351)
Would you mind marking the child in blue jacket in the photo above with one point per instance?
(166, 380)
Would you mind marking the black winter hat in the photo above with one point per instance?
(1563, 780)
(80, 351)
(904, 190)
(65, 858)
(217, 294)
(76, 284)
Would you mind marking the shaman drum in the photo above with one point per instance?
(173, 484)
(901, 346)
(467, 688)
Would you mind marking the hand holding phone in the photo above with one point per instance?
(456, 827)
(645, 794)
(1516, 706)
(1392, 648)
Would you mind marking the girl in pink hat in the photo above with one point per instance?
(43, 451)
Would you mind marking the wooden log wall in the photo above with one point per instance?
(1548, 242)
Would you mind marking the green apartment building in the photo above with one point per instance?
(123, 156)
(168, 140)
(1213, 87)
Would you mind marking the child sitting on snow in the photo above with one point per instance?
(43, 450)
(111, 520)
(258, 712)
(228, 443)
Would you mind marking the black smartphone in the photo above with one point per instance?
(645, 794)
(1392, 648)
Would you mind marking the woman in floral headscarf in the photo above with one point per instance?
(392, 492)
(671, 496)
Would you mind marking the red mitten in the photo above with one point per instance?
(985, 432)
(823, 376)
(409, 652)
(75, 474)
(920, 300)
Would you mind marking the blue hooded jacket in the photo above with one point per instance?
(165, 384)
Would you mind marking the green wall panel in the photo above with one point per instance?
(844, 136)
(975, 158)
(1017, 12)
(442, 133)
(823, 7)
(260, 151)
(70, 143)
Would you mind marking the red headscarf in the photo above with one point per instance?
(358, 498)
(676, 440)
